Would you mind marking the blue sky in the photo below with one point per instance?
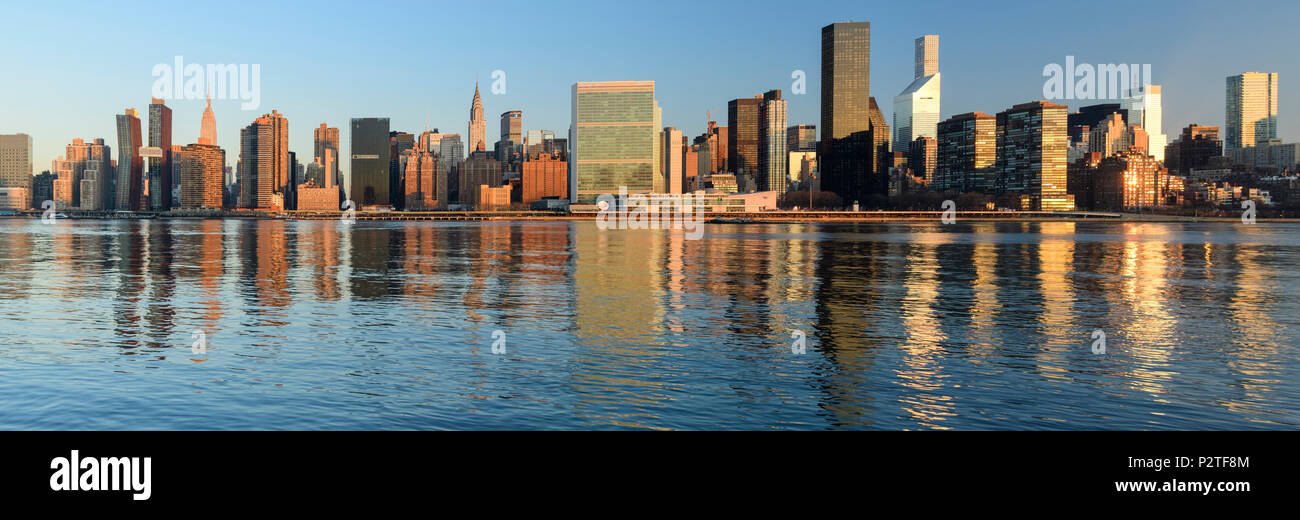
(69, 67)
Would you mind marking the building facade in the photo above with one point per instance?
(614, 139)
(15, 161)
(1031, 155)
(545, 175)
(1251, 110)
(369, 184)
(966, 154)
(773, 151)
(160, 168)
(916, 109)
(848, 153)
(477, 125)
(201, 176)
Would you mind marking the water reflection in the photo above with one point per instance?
(389, 325)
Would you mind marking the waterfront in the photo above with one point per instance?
(390, 325)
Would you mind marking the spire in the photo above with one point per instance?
(208, 126)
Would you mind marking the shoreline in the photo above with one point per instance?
(778, 217)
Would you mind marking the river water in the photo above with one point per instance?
(270, 324)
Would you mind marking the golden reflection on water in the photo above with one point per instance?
(901, 321)
(922, 347)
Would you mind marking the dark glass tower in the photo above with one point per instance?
(160, 168)
(848, 147)
(370, 160)
(742, 142)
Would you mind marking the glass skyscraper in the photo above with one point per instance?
(614, 139)
(1251, 110)
(369, 185)
(848, 156)
(916, 109)
(1031, 145)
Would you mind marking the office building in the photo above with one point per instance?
(369, 184)
(424, 183)
(742, 141)
(478, 171)
(966, 154)
(801, 138)
(773, 157)
(15, 161)
(160, 168)
(477, 125)
(1145, 110)
(848, 154)
(923, 155)
(916, 109)
(1031, 155)
(1251, 115)
(671, 149)
(326, 142)
(512, 126)
(1193, 148)
(614, 139)
(208, 126)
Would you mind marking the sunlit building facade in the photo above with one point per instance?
(966, 153)
(614, 139)
(916, 109)
(201, 173)
(1251, 110)
(1031, 155)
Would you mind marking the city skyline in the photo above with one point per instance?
(1194, 92)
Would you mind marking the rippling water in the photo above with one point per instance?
(390, 325)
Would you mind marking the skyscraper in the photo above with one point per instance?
(1144, 109)
(15, 161)
(160, 168)
(927, 56)
(208, 126)
(327, 152)
(264, 162)
(1031, 145)
(967, 150)
(742, 141)
(424, 184)
(479, 170)
(370, 148)
(671, 147)
(772, 145)
(1251, 106)
(96, 176)
(201, 176)
(1193, 149)
(613, 139)
(451, 150)
(398, 143)
(848, 149)
(916, 109)
(477, 125)
(801, 138)
(512, 126)
(130, 164)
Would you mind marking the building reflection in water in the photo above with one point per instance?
(918, 325)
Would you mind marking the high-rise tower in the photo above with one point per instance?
(916, 109)
(1251, 110)
(477, 125)
(208, 126)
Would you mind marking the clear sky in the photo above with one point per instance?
(68, 68)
